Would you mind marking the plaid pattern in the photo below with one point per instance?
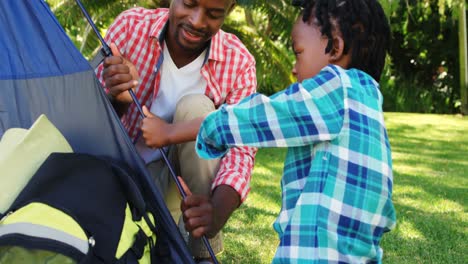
(229, 72)
(337, 181)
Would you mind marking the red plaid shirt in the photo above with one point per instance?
(229, 72)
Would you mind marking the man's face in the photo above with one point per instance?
(309, 48)
(192, 23)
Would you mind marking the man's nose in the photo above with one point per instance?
(197, 19)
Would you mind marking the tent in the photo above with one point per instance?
(41, 72)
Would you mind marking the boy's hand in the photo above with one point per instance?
(155, 131)
(198, 214)
(119, 75)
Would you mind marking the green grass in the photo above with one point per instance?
(430, 165)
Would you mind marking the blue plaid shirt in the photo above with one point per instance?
(337, 181)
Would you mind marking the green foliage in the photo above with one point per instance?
(264, 27)
(411, 94)
(425, 70)
(429, 194)
(421, 76)
(101, 12)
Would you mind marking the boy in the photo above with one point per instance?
(337, 181)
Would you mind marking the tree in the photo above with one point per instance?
(264, 27)
(424, 70)
(102, 13)
(463, 58)
(421, 75)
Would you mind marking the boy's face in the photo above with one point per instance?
(309, 48)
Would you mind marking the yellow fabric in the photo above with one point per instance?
(146, 259)
(127, 236)
(144, 226)
(44, 215)
(22, 152)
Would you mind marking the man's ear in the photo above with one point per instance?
(233, 5)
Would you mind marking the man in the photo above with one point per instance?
(181, 67)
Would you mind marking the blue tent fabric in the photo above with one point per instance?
(42, 72)
(30, 49)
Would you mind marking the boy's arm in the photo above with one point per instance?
(300, 115)
(157, 133)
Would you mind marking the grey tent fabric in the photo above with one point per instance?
(42, 72)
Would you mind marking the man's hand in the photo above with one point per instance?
(119, 75)
(197, 212)
(155, 131)
(206, 216)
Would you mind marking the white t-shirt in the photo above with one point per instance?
(175, 83)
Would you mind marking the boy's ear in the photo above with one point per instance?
(337, 55)
(337, 48)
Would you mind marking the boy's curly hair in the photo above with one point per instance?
(363, 25)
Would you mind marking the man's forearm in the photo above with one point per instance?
(224, 200)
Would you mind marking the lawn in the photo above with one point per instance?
(430, 165)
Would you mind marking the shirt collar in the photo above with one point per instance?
(216, 51)
(215, 47)
(159, 27)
